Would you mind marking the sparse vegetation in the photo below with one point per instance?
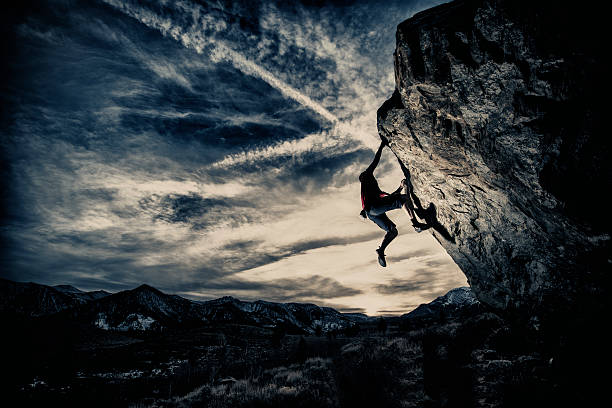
(310, 384)
(366, 371)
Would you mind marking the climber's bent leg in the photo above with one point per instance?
(408, 202)
(389, 236)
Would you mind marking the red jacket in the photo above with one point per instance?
(370, 192)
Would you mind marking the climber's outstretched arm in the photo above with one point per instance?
(372, 166)
(404, 169)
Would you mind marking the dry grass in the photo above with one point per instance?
(310, 384)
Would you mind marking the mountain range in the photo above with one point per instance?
(146, 308)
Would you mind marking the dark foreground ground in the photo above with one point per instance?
(470, 361)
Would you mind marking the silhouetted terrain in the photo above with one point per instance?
(154, 349)
(75, 347)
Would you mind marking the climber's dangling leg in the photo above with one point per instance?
(387, 225)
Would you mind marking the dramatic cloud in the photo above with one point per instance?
(206, 148)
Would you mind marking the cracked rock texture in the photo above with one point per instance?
(497, 118)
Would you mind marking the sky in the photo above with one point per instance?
(207, 148)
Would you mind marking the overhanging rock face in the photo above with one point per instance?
(497, 119)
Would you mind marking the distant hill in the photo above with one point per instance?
(79, 294)
(302, 315)
(33, 299)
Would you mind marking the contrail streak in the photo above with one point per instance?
(219, 52)
(252, 69)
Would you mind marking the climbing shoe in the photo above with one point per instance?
(418, 227)
(381, 258)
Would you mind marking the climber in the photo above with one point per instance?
(376, 203)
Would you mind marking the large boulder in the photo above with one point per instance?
(497, 119)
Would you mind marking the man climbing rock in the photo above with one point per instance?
(376, 203)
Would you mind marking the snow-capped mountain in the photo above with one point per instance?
(146, 308)
(143, 308)
(456, 302)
